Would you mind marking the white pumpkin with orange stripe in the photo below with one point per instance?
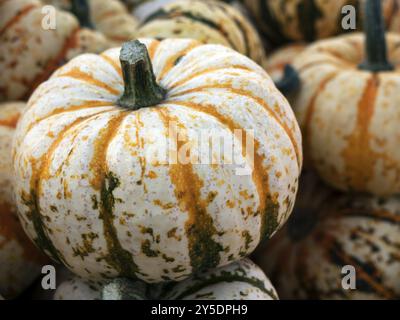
(349, 109)
(20, 261)
(97, 183)
(30, 51)
(110, 17)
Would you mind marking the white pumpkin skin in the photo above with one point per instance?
(207, 21)
(20, 261)
(94, 191)
(110, 17)
(29, 53)
(349, 117)
(241, 280)
(327, 231)
(276, 62)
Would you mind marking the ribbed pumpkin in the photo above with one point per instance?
(348, 109)
(20, 261)
(276, 62)
(206, 21)
(110, 17)
(30, 53)
(241, 280)
(309, 20)
(96, 182)
(327, 231)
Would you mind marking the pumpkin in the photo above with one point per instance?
(276, 62)
(20, 261)
(327, 231)
(104, 190)
(347, 107)
(207, 21)
(310, 20)
(241, 280)
(30, 53)
(110, 17)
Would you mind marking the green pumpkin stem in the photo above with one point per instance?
(141, 89)
(290, 81)
(81, 10)
(375, 41)
(124, 289)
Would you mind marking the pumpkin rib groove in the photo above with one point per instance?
(205, 71)
(170, 63)
(106, 182)
(32, 200)
(153, 48)
(310, 111)
(260, 176)
(20, 15)
(261, 102)
(203, 249)
(53, 64)
(112, 63)
(79, 75)
(58, 111)
(358, 155)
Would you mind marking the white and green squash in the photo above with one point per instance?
(347, 107)
(328, 231)
(206, 21)
(97, 184)
(241, 280)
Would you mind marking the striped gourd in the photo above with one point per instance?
(100, 189)
(310, 20)
(327, 231)
(206, 21)
(110, 17)
(276, 62)
(241, 280)
(20, 261)
(30, 51)
(348, 109)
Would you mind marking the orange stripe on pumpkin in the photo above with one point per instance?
(259, 100)
(78, 74)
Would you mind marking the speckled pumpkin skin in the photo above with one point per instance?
(349, 117)
(20, 261)
(327, 231)
(93, 193)
(29, 53)
(206, 21)
(110, 17)
(241, 280)
(276, 62)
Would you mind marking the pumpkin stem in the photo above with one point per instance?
(290, 81)
(375, 42)
(141, 89)
(124, 289)
(81, 10)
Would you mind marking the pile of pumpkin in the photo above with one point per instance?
(94, 94)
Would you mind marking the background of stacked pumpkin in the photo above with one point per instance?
(348, 118)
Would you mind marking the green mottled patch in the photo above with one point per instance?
(146, 249)
(119, 258)
(270, 219)
(42, 240)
